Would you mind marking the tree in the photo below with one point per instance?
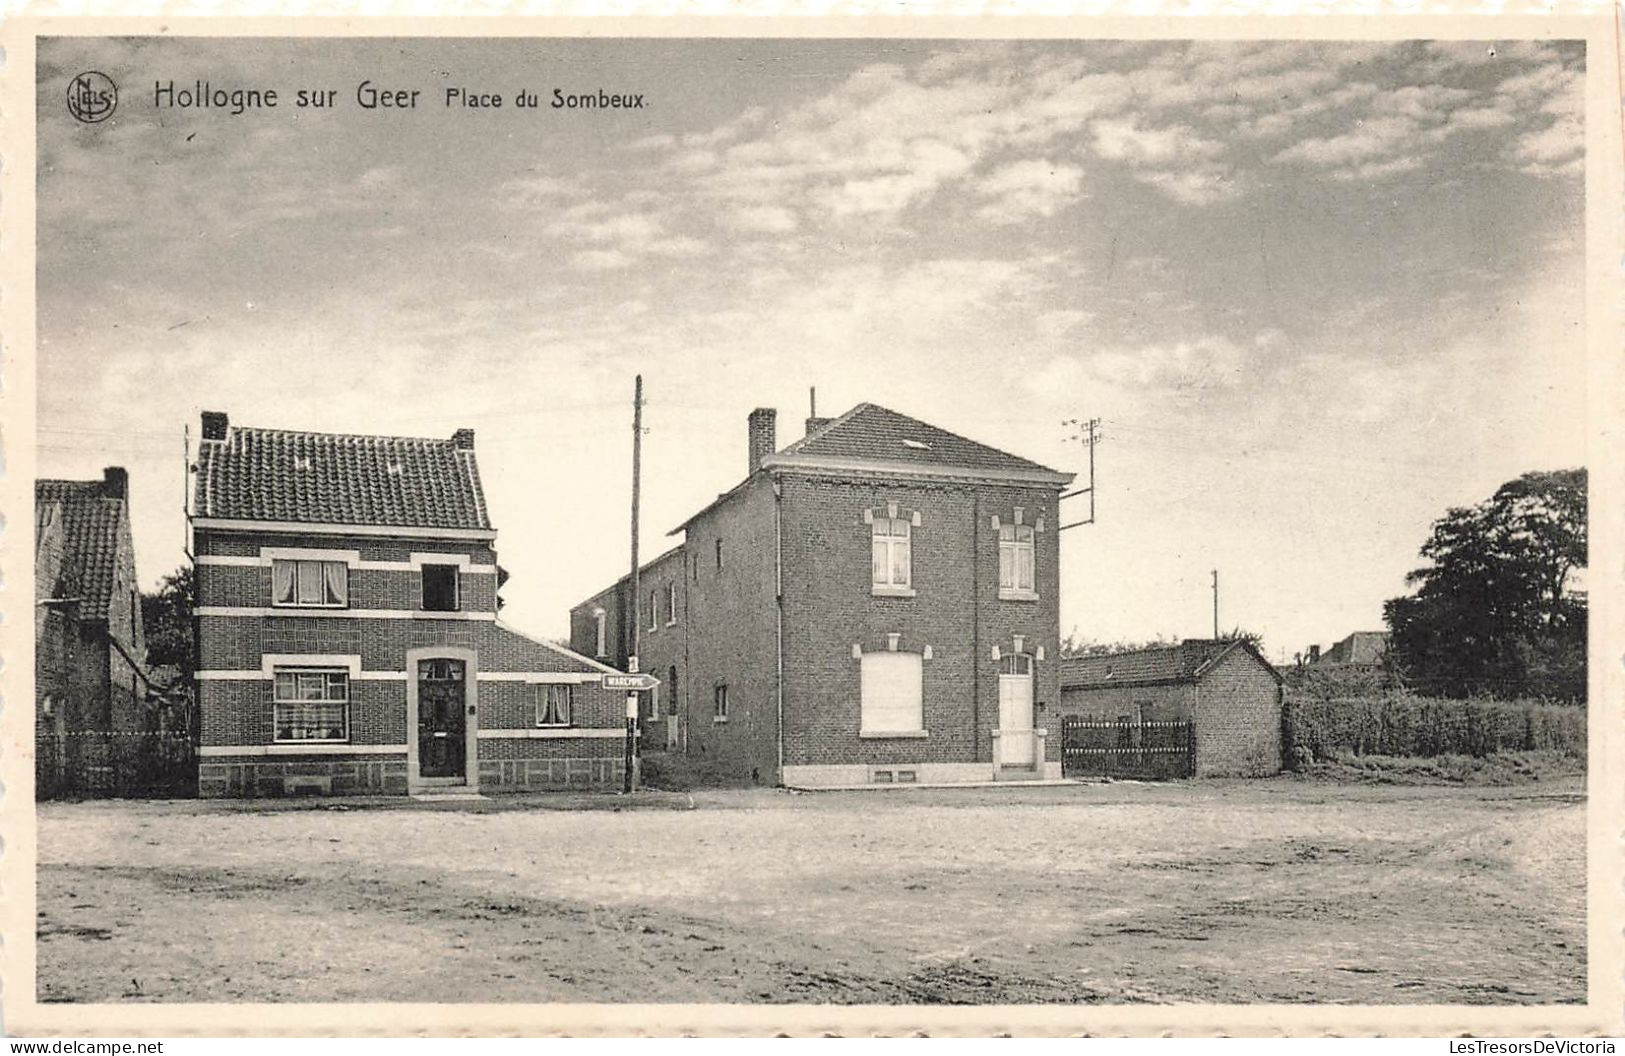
(167, 614)
(1494, 613)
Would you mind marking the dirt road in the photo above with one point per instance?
(1272, 891)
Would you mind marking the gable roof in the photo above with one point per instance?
(92, 524)
(871, 433)
(870, 436)
(337, 478)
(1181, 662)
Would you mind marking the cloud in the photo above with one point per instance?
(764, 219)
(1026, 189)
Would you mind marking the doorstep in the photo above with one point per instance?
(431, 796)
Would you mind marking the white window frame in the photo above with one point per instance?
(601, 620)
(719, 702)
(278, 701)
(545, 692)
(894, 533)
(671, 604)
(301, 564)
(1011, 551)
(654, 610)
(875, 718)
(456, 585)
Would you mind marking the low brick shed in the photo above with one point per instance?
(1226, 688)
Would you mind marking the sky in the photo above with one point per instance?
(1317, 292)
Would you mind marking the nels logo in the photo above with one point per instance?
(92, 97)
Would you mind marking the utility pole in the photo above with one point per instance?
(1089, 436)
(1215, 603)
(634, 609)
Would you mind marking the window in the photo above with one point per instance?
(719, 703)
(440, 588)
(671, 604)
(601, 629)
(671, 691)
(1016, 558)
(1016, 664)
(554, 704)
(310, 704)
(892, 693)
(719, 555)
(892, 561)
(654, 610)
(310, 584)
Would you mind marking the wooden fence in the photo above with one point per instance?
(100, 765)
(1150, 750)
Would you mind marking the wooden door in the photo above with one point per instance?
(442, 719)
(1017, 740)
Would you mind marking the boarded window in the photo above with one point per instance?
(440, 588)
(892, 693)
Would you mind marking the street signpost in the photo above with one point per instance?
(633, 684)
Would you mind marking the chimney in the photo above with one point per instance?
(214, 425)
(763, 435)
(116, 482)
(1314, 654)
(464, 439)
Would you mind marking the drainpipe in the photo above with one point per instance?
(976, 628)
(778, 597)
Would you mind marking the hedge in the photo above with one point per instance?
(1401, 724)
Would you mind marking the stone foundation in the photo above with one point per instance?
(336, 775)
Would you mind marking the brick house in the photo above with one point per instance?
(90, 652)
(1226, 688)
(1362, 647)
(874, 603)
(347, 627)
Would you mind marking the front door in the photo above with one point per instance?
(442, 749)
(1017, 742)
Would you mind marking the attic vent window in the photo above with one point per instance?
(302, 463)
(395, 469)
(918, 445)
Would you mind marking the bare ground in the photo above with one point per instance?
(1263, 891)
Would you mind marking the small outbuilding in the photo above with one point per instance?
(1219, 699)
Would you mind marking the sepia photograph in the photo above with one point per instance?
(789, 519)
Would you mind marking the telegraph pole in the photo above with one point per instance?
(1215, 603)
(1089, 436)
(634, 609)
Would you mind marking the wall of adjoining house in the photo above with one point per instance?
(731, 635)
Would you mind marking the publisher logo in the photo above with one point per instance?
(92, 97)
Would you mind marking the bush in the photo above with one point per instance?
(1398, 724)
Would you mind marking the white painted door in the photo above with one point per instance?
(1017, 743)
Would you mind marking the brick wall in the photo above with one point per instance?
(1238, 719)
(731, 635)
(956, 610)
(661, 651)
(1109, 703)
(239, 711)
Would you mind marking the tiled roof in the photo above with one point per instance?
(92, 525)
(1361, 647)
(334, 478)
(873, 433)
(1182, 662)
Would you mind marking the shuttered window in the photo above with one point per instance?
(1016, 557)
(892, 693)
